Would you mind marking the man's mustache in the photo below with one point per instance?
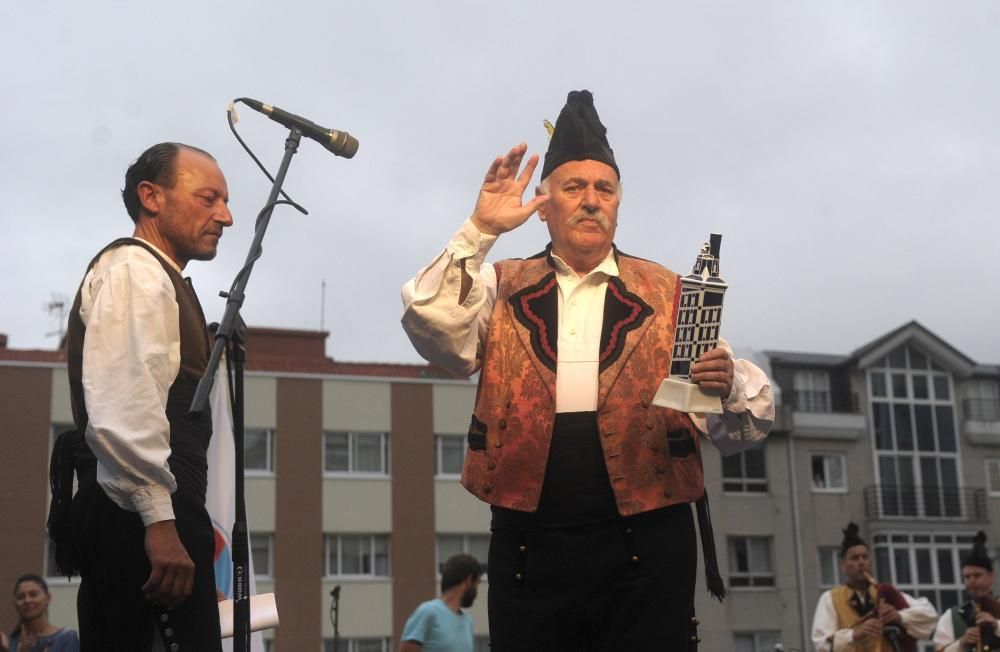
(597, 216)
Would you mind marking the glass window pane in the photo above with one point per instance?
(925, 427)
(732, 466)
(920, 387)
(883, 426)
(255, 450)
(368, 452)
(260, 554)
(930, 486)
(738, 558)
(903, 425)
(352, 552)
(902, 558)
(760, 555)
(819, 472)
(336, 452)
(381, 547)
(924, 574)
(944, 417)
(878, 383)
(743, 643)
(449, 545)
(941, 390)
(835, 467)
(899, 386)
(755, 462)
(946, 567)
(917, 359)
(882, 565)
(993, 471)
(330, 542)
(452, 453)
(897, 358)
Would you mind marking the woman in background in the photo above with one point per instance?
(34, 632)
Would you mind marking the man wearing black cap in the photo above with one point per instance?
(593, 541)
(962, 628)
(861, 616)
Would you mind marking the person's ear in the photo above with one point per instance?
(150, 197)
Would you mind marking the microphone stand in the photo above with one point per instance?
(335, 616)
(231, 337)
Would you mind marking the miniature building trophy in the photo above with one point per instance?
(699, 313)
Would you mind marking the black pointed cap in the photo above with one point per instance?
(578, 135)
(851, 538)
(979, 556)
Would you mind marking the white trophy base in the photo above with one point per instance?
(686, 396)
(263, 614)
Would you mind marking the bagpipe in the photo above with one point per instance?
(895, 635)
(987, 632)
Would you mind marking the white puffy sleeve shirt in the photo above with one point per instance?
(131, 356)
(450, 333)
(918, 621)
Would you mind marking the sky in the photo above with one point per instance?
(848, 152)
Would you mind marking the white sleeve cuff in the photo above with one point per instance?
(153, 504)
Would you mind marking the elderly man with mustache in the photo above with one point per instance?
(590, 485)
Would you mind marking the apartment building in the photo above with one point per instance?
(352, 475)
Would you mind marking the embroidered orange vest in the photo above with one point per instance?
(651, 454)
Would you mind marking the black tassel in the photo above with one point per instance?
(61, 486)
(712, 577)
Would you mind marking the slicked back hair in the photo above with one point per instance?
(457, 568)
(157, 165)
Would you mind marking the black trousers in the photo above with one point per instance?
(620, 586)
(113, 613)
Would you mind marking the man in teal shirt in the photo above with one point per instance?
(442, 624)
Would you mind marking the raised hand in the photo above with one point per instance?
(499, 207)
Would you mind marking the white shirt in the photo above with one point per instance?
(944, 634)
(918, 621)
(451, 334)
(131, 356)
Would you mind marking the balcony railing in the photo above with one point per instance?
(981, 409)
(929, 502)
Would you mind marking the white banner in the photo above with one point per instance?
(221, 501)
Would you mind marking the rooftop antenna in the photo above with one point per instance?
(322, 305)
(57, 307)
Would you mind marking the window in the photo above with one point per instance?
(261, 553)
(829, 568)
(258, 446)
(914, 432)
(755, 641)
(811, 391)
(982, 401)
(750, 562)
(481, 643)
(993, 476)
(357, 645)
(356, 452)
(449, 455)
(745, 472)
(360, 555)
(449, 545)
(923, 565)
(829, 472)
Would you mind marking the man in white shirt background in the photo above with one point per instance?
(137, 345)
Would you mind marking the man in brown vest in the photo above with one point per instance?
(593, 541)
(137, 346)
(857, 616)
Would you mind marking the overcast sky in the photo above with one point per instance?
(849, 152)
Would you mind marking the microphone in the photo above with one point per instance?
(340, 143)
